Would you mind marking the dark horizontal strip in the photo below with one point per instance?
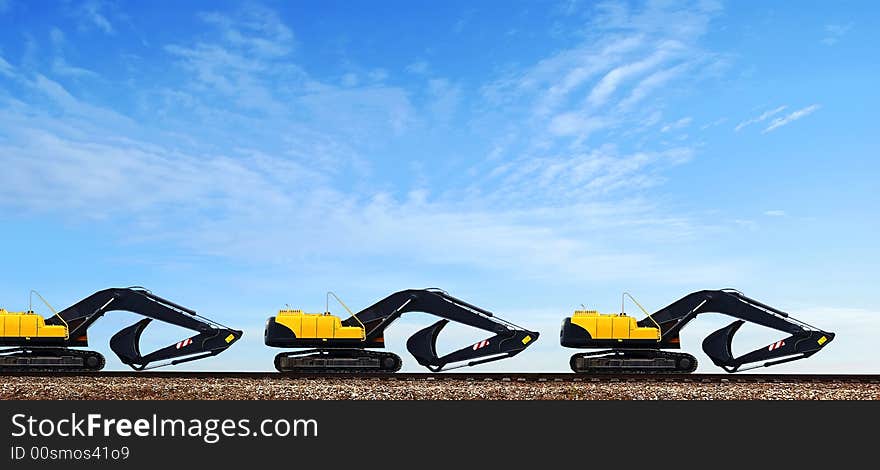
(493, 376)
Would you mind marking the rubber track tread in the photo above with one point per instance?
(341, 354)
(636, 369)
(42, 353)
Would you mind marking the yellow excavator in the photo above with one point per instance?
(338, 345)
(630, 346)
(36, 343)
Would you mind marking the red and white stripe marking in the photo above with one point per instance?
(184, 343)
(481, 344)
(776, 345)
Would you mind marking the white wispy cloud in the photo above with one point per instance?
(350, 79)
(794, 116)
(651, 83)
(835, 32)
(6, 68)
(378, 75)
(764, 116)
(73, 106)
(56, 36)
(222, 198)
(581, 177)
(255, 29)
(746, 224)
(613, 79)
(268, 97)
(270, 173)
(574, 97)
(445, 98)
(775, 213)
(92, 15)
(576, 67)
(241, 62)
(463, 21)
(572, 124)
(685, 20)
(61, 67)
(419, 67)
(361, 111)
(679, 124)
(714, 123)
(152, 186)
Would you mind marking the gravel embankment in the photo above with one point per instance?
(123, 388)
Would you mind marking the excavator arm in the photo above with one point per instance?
(210, 339)
(508, 339)
(803, 342)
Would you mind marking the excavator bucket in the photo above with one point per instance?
(718, 345)
(125, 343)
(423, 346)
(797, 346)
(207, 343)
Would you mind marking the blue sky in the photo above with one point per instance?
(528, 157)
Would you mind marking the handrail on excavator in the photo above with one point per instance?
(353, 315)
(54, 312)
(648, 315)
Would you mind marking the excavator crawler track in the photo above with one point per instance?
(50, 360)
(341, 361)
(637, 361)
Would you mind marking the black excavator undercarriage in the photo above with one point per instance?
(48, 359)
(633, 361)
(342, 361)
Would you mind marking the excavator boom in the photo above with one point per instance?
(803, 342)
